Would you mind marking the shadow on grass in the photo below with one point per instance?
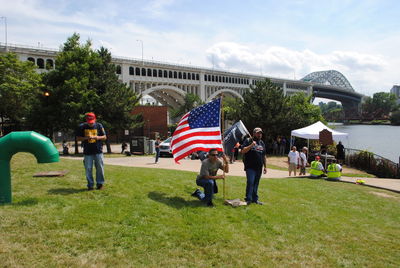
(174, 201)
(66, 191)
(27, 202)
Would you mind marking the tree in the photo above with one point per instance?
(231, 107)
(331, 111)
(85, 80)
(116, 100)
(379, 106)
(191, 101)
(395, 118)
(19, 84)
(265, 106)
(69, 94)
(301, 112)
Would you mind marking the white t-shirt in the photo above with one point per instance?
(293, 157)
(304, 157)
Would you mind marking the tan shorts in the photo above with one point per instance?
(292, 167)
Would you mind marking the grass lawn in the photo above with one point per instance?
(147, 218)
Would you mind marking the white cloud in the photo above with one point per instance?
(360, 69)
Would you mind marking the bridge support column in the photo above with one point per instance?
(202, 88)
(284, 88)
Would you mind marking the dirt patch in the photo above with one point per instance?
(384, 195)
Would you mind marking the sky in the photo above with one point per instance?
(285, 39)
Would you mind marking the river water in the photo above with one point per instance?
(379, 139)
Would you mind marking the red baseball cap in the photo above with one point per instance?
(90, 118)
(317, 157)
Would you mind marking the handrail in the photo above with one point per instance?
(372, 163)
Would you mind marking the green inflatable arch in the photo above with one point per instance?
(22, 141)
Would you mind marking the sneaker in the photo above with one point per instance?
(99, 186)
(248, 203)
(90, 188)
(210, 204)
(195, 193)
(259, 202)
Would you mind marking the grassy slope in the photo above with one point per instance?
(146, 217)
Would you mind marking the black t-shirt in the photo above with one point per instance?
(91, 146)
(254, 159)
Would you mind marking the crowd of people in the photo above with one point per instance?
(252, 149)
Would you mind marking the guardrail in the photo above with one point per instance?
(372, 163)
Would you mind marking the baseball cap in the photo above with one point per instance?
(317, 157)
(257, 129)
(90, 118)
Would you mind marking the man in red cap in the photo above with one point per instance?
(317, 169)
(92, 135)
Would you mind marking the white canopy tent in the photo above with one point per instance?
(311, 132)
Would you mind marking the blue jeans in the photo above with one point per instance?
(98, 162)
(253, 179)
(208, 186)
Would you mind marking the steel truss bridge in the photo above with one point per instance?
(169, 83)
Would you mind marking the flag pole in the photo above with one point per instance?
(223, 150)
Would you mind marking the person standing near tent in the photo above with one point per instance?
(208, 176)
(293, 160)
(340, 152)
(317, 169)
(254, 154)
(282, 146)
(333, 171)
(303, 161)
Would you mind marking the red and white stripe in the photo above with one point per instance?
(186, 140)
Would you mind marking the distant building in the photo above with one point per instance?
(155, 120)
(396, 91)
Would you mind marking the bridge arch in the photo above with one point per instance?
(224, 90)
(166, 95)
(332, 77)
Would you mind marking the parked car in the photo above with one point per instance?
(165, 147)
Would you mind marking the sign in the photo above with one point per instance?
(126, 132)
(325, 137)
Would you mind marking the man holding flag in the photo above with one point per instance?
(199, 130)
(254, 159)
(208, 176)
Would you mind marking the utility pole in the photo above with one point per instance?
(141, 41)
(5, 30)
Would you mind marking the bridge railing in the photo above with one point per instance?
(372, 163)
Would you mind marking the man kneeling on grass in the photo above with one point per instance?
(208, 176)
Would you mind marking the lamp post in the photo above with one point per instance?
(141, 41)
(5, 31)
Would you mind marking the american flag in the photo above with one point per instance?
(198, 130)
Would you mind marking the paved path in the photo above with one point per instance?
(235, 169)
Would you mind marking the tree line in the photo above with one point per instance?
(84, 80)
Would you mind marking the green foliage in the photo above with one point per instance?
(395, 118)
(367, 161)
(331, 111)
(266, 106)
(84, 80)
(146, 218)
(301, 112)
(19, 84)
(379, 106)
(190, 101)
(231, 107)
